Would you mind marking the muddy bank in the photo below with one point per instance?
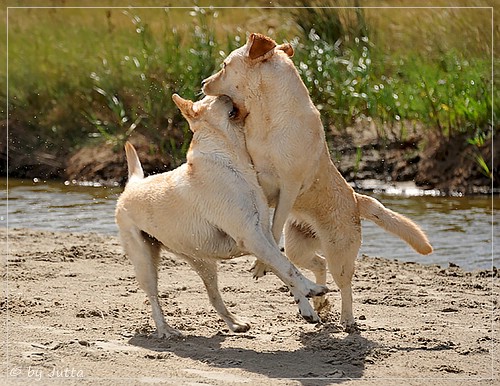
(447, 165)
(74, 311)
(359, 152)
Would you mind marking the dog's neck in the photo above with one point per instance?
(266, 88)
(226, 146)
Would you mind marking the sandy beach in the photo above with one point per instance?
(72, 312)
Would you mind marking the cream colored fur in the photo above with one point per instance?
(210, 208)
(286, 142)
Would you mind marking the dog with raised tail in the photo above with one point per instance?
(209, 208)
(315, 205)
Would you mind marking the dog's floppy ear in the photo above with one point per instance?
(259, 45)
(184, 105)
(286, 48)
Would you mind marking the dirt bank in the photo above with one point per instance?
(446, 165)
(359, 152)
(74, 312)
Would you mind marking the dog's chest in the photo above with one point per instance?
(266, 172)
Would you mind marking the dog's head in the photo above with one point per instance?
(233, 78)
(216, 126)
(215, 112)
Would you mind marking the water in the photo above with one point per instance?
(462, 230)
(56, 206)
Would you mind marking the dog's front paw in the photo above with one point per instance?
(306, 311)
(317, 290)
(259, 269)
(311, 317)
(349, 325)
(167, 332)
(239, 326)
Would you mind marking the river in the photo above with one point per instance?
(462, 230)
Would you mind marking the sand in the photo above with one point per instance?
(72, 312)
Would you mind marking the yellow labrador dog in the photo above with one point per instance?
(210, 208)
(286, 142)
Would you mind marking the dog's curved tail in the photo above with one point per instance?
(135, 171)
(395, 223)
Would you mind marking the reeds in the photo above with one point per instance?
(80, 76)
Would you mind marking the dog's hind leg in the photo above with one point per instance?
(301, 244)
(341, 250)
(207, 269)
(144, 252)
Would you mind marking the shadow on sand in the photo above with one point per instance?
(323, 359)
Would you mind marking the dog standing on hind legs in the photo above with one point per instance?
(285, 139)
(209, 208)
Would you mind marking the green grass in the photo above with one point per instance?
(351, 74)
(87, 75)
(449, 95)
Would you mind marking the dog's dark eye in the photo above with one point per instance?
(234, 112)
